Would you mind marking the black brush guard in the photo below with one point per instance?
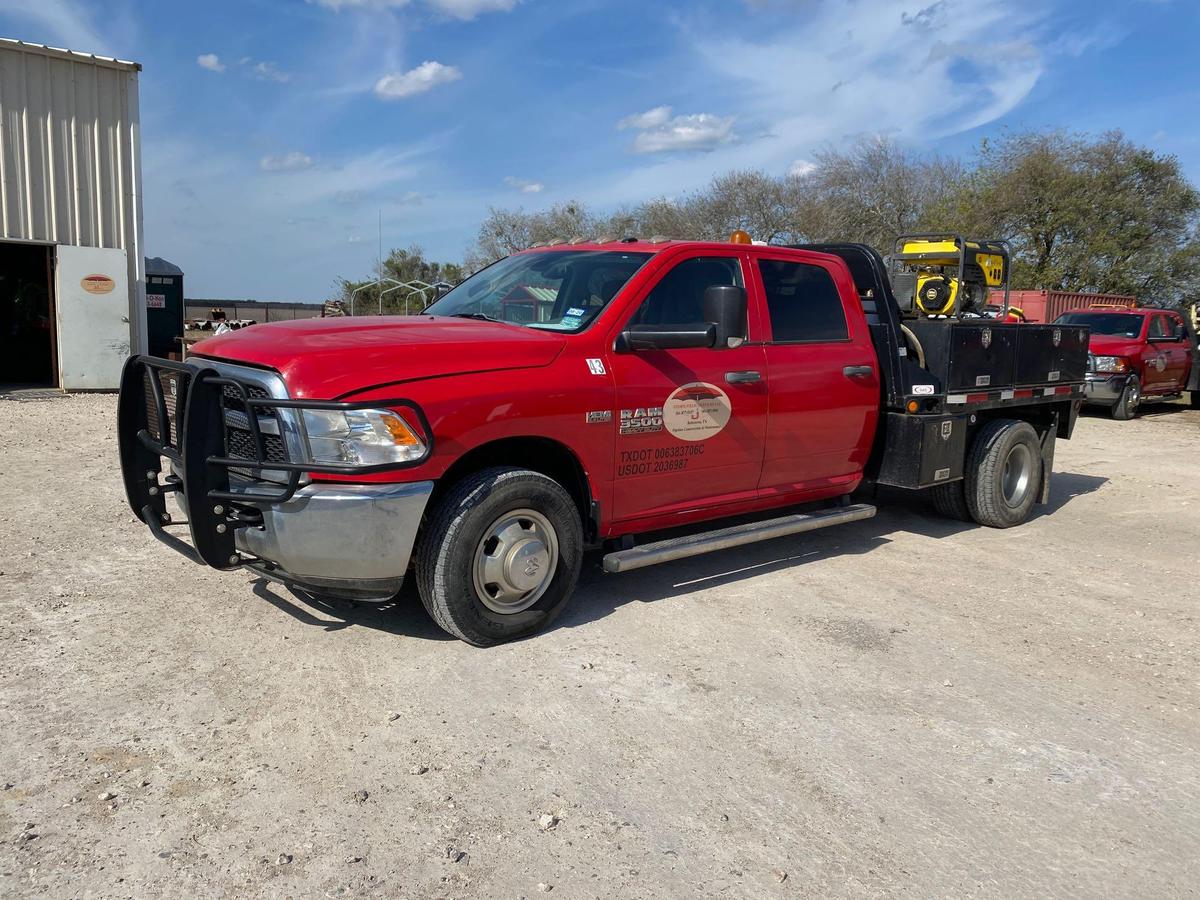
(193, 442)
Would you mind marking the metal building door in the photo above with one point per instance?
(92, 291)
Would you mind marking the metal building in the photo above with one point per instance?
(72, 282)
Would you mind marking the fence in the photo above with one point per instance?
(256, 310)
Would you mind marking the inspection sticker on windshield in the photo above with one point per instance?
(596, 366)
(576, 311)
(696, 411)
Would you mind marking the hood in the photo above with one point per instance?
(1113, 345)
(329, 358)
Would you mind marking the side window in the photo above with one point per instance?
(1158, 327)
(678, 298)
(803, 302)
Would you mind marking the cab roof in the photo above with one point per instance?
(639, 245)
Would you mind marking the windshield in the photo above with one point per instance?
(560, 290)
(1121, 324)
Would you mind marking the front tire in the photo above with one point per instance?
(1127, 406)
(499, 556)
(1004, 473)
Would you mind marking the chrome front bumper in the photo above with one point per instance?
(351, 540)
(1099, 388)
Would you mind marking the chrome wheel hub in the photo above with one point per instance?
(1018, 472)
(515, 561)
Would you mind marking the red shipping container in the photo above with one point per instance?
(1046, 306)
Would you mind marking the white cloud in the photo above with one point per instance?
(469, 9)
(660, 132)
(801, 167)
(458, 9)
(295, 161)
(267, 71)
(525, 187)
(210, 61)
(427, 75)
(651, 118)
(60, 22)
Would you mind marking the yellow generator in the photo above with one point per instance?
(948, 275)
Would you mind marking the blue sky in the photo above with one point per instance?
(276, 131)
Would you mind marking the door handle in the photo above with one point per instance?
(748, 377)
(858, 371)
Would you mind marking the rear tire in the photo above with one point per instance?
(950, 501)
(499, 556)
(1004, 473)
(1127, 406)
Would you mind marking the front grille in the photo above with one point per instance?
(239, 439)
(239, 444)
(174, 387)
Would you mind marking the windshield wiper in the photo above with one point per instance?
(483, 317)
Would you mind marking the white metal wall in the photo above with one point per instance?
(70, 157)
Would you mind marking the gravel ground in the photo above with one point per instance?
(903, 707)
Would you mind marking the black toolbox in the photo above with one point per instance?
(1051, 353)
(971, 355)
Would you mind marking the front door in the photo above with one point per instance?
(690, 422)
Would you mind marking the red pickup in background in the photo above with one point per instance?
(1135, 355)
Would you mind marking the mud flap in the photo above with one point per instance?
(1049, 439)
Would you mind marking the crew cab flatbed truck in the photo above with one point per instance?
(581, 397)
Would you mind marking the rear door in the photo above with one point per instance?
(1156, 357)
(690, 422)
(1178, 353)
(824, 375)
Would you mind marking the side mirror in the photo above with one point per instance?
(1180, 333)
(725, 306)
(667, 337)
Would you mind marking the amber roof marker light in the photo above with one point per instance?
(740, 237)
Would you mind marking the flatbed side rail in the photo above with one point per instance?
(190, 433)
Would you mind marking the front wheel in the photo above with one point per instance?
(1004, 473)
(500, 555)
(1127, 406)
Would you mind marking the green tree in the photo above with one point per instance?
(1084, 214)
(404, 266)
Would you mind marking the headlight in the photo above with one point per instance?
(1112, 364)
(360, 437)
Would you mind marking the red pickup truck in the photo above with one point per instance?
(492, 440)
(1137, 355)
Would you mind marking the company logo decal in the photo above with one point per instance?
(97, 284)
(947, 430)
(922, 389)
(985, 338)
(1056, 336)
(696, 411)
(156, 301)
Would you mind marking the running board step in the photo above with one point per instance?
(735, 536)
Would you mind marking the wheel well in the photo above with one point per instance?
(549, 457)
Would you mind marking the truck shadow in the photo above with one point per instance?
(402, 615)
(599, 595)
